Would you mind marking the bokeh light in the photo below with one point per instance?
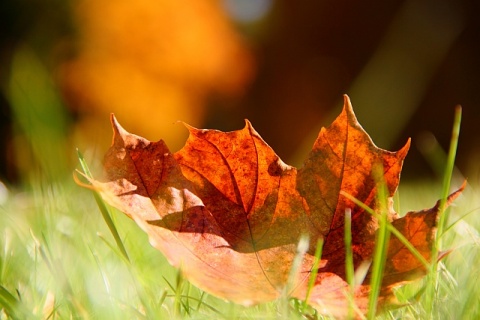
(283, 65)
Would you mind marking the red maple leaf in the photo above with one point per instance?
(229, 212)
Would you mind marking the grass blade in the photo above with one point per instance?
(349, 267)
(447, 178)
(391, 229)
(13, 306)
(103, 209)
(381, 246)
(432, 279)
(313, 274)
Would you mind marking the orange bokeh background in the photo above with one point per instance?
(284, 65)
(152, 63)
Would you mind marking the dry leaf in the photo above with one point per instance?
(228, 212)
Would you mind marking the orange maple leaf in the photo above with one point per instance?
(230, 213)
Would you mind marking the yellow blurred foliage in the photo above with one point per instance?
(152, 63)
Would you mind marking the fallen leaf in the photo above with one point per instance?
(229, 212)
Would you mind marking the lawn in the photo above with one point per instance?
(59, 260)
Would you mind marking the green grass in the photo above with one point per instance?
(59, 260)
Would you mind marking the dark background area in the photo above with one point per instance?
(404, 64)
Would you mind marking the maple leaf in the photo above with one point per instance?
(228, 212)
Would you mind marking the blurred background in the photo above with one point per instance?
(284, 65)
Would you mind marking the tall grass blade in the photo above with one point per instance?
(103, 209)
(179, 302)
(314, 272)
(447, 177)
(391, 229)
(451, 225)
(432, 277)
(349, 267)
(381, 246)
(302, 248)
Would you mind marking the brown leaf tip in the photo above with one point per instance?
(348, 110)
(118, 130)
(455, 194)
(123, 138)
(347, 106)
(352, 118)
